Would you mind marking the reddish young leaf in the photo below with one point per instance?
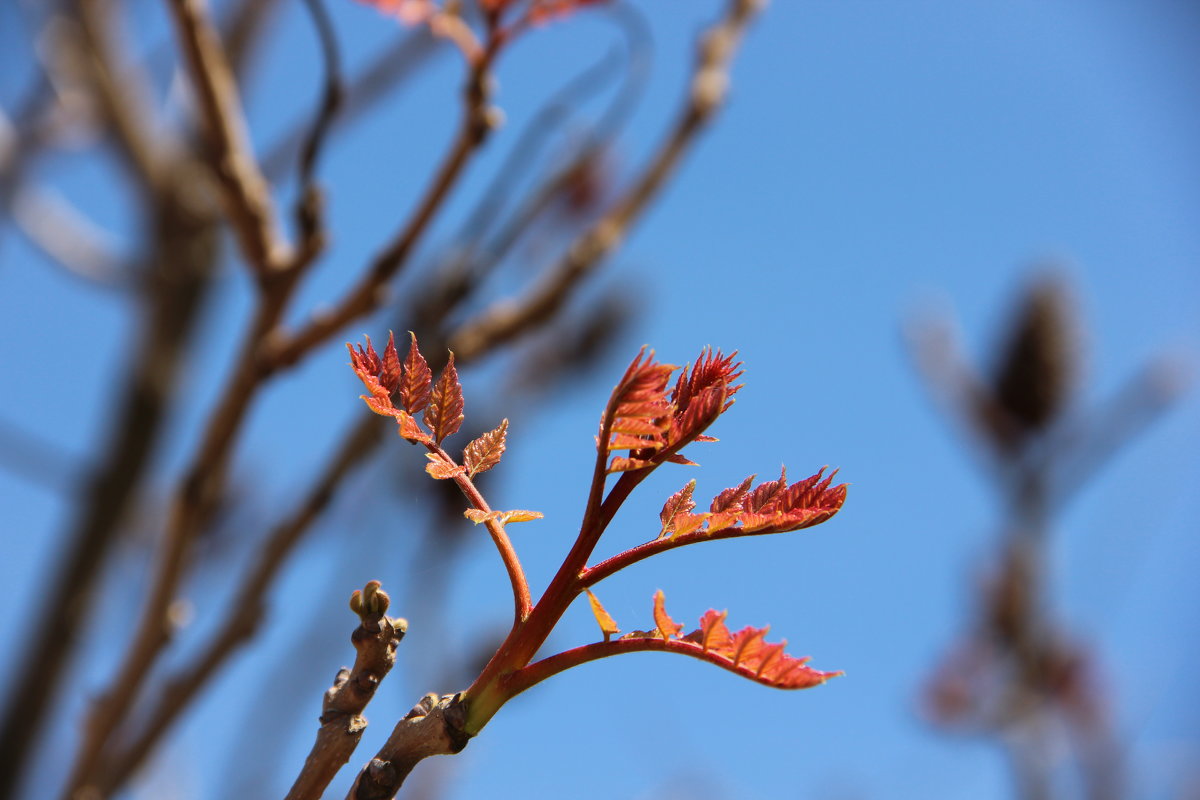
(608, 625)
(390, 371)
(418, 379)
(442, 470)
(444, 414)
(410, 430)
(679, 503)
(772, 507)
(687, 523)
(665, 627)
(520, 515)
(801, 505)
(503, 517)
(485, 452)
(731, 499)
(622, 464)
(703, 394)
(638, 413)
(745, 653)
(367, 366)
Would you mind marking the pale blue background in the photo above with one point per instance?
(875, 158)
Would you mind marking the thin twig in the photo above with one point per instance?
(370, 292)
(248, 607)
(709, 82)
(67, 237)
(371, 85)
(119, 88)
(342, 723)
(245, 191)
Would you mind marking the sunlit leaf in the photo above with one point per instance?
(442, 469)
(679, 503)
(745, 653)
(520, 515)
(485, 452)
(608, 625)
(390, 371)
(444, 414)
(417, 383)
(667, 628)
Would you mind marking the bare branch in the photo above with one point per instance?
(67, 237)
(434, 727)
(370, 292)
(509, 319)
(342, 723)
(245, 191)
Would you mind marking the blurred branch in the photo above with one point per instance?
(476, 121)
(66, 237)
(248, 608)
(36, 459)
(362, 93)
(1016, 675)
(709, 82)
(245, 191)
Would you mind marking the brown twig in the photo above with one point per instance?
(434, 727)
(709, 82)
(248, 608)
(342, 723)
(245, 191)
(370, 292)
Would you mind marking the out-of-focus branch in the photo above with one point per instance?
(383, 75)
(709, 83)
(178, 275)
(248, 607)
(36, 459)
(245, 191)
(67, 237)
(342, 723)
(120, 89)
(370, 292)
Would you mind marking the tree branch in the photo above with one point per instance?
(508, 319)
(245, 191)
(342, 723)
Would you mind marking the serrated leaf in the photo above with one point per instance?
(417, 383)
(666, 628)
(638, 413)
(745, 653)
(442, 470)
(679, 458)
(731, 498)
(608, 625)
(410, 430)
(624, 441)
(485, 452)
(773, 507)
(688, 523)
(702, 394)
(622, 464)
(390, 370)
(679, 503)
(503, 517)
(520, 515)
(444, 414)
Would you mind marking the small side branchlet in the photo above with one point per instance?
(654, 412)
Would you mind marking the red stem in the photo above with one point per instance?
(522, 600)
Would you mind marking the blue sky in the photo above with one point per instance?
(876, 159)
